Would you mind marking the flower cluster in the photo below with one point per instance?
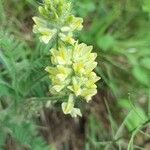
(56, 19)
(72, 64)
(73, 70)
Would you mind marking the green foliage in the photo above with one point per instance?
(120, 33)
(136, 115)
(146, 6)
(21, 78)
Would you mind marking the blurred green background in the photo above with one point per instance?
(119, 116)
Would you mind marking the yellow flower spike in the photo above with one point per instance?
(58, 12)
(78, 71)
(71, 72)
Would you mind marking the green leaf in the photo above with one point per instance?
(85, 7)
(146, 6)
(3, 90)
(105, 42)
(136, 118)
(146, 62)
(22, 133)
(141, 75)
(124, 103)
(39, 144)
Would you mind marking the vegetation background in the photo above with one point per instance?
(118, 118)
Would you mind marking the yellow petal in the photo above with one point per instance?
(76, 112)
(68, 106)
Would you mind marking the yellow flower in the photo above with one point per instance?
(75, 87)
(72, 70)
(55, 18)
(40, 27)
(75, 23)
(67, 38)
(68, 107)
(87, 93)
(58, 76)
(62, 56)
